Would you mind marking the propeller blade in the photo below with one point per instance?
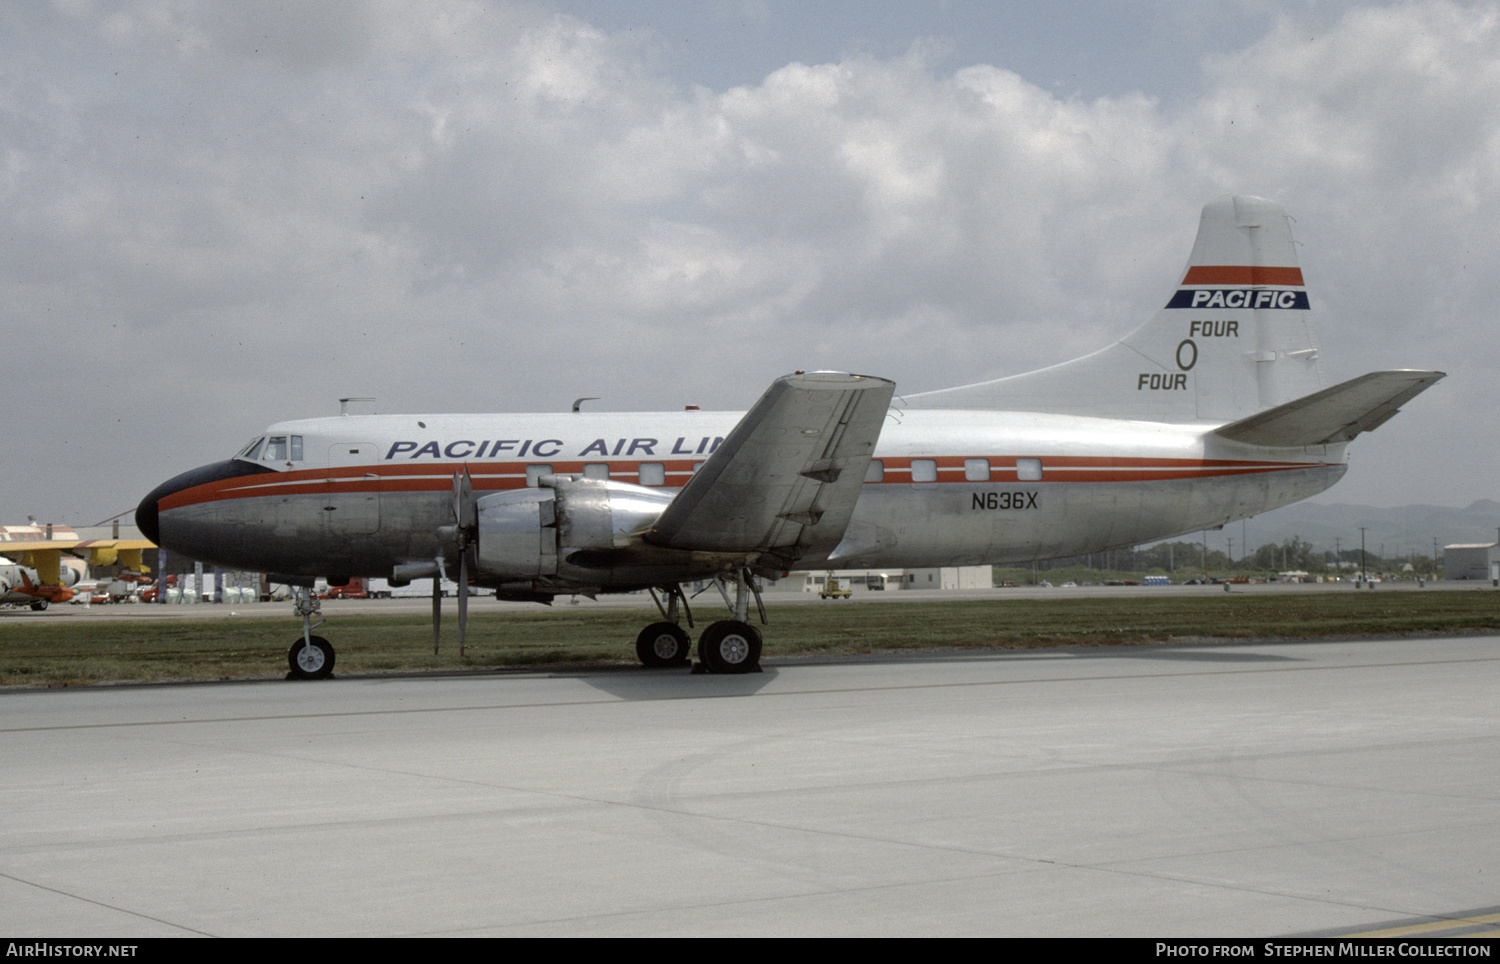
(465, 508)
(437, 611)
(463, 600)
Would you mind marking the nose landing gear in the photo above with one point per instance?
(311, 657)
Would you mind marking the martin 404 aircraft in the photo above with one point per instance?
(1212, 411)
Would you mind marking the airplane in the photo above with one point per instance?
(23, 586)
(1214, 410)
(32, 572)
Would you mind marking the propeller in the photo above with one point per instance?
(463, 532)
(466, 517)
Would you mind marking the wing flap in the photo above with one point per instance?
(788, 475)
(1334, 414)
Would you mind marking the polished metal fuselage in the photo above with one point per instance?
(950, 487)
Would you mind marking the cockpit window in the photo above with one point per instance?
(252, 451)
(276, 448)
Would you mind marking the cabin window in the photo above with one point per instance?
(653, 473)
(923, 470)
(597, 470)
(875, 471)
(534, 474)
(977, 470)
(696, 467)
(1029, 470)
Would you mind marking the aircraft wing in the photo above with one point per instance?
(45, 555)
(788, 475)
(1335, 414)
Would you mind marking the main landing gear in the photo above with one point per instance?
(311, 657)
(727, 646)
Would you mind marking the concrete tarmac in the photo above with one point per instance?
(1182, 791)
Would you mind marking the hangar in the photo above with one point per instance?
(1472, 561)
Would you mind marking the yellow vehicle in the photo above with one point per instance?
(833, 589)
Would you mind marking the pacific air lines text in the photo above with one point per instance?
(547, 448)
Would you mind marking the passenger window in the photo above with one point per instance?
(977, 470)
(534, 474)
(653, 473)
(875, 471)
(1029, 470)
(597, 470)
(923, 470)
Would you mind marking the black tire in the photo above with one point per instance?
(37, 605)
(730, 646)
(664, 644)
(317, 662)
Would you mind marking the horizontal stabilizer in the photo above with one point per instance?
(1334, 414)
(789, 473)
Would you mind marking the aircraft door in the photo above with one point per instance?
(353, 505)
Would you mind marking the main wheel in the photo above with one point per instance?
(311, 662)
(37, 605)
(664, 644)
(730, 646)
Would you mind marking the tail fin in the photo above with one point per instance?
(1234, 339)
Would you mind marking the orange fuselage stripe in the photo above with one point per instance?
(1223, 274)
(490, 477)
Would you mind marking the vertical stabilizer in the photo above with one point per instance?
(1235, 338)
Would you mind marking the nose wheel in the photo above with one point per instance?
(311, 658)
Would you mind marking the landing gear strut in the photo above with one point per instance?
(727, 646)
(311, 657)
(733, 645)
(663, 644)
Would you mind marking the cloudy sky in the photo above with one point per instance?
(221, 214)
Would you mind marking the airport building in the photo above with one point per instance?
(1473, 561)
(945, 577)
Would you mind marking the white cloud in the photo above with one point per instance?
(242, 211)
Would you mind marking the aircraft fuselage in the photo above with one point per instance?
(366, 494)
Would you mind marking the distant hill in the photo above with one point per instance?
(1403, 530)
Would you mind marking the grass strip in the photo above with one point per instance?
(35, 652)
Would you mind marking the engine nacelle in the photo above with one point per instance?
(523, 534)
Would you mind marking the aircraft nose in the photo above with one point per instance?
(148, 513)
(146, 517)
